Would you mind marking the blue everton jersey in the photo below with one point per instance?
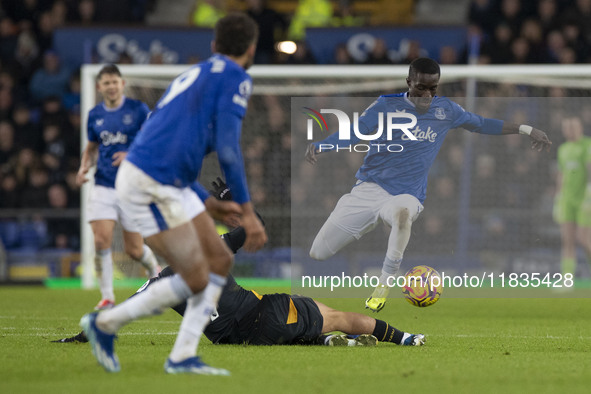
(114, 129)
(404, 170)
(200, 112)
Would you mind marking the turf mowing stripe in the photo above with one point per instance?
(75, 283)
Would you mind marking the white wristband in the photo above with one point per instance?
(525, 129)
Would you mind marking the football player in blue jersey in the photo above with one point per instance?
(112, 127)
(392, 186)
(200, 112)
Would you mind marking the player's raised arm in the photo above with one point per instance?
(539, 139)
(478, 124)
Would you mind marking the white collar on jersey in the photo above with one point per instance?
(117, 107)
(408, 100)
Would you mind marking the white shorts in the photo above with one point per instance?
(154, 207)
(103, 204)
(359, 211)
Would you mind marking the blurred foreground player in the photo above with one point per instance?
(200, 112)
(391, 186)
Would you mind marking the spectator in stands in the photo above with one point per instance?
(72, 188)
(341, 55)
(44, 31)
(483, 13)
(83, 12)
(51, 80)
(62, 233)
(26, 56)
(445, 195)
(520, 51)
(436, 235)
(511, 14)
(302, 55)
(53, 111)
(571, 31)
(71, 98)
(413, 51)
(448, 55)
(345, 17)
(499, 46)
(547, 15)
(114, 11)
(581, 10)
(27, 134)
(59, 12)
(531, 30)
(272, 27)
(20, 165)
(25, 12)
(497, 235)
(310, 13)
(34, 193)
(207, 12)
(7, 142)
(482, 194)
(9, 193)
(54, 143)
(567, 56)
(8, 39)
(555, 43)
(379, 53)
(6, 104)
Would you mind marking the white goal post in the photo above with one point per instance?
(270, 80)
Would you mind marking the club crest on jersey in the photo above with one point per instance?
(99, 122)
(127, 119)
(439, 113)
(244, 91)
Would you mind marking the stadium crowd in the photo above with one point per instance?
(40, 99)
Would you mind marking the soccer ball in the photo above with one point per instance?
(419, 288)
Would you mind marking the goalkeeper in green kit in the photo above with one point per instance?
(572, 207)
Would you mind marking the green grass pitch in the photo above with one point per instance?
(473, 346)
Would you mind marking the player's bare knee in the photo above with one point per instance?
(221, 263)
(101, 243)
(318, 253)
(136, 252)
(195, 277)
(319, 249)
(402, 217)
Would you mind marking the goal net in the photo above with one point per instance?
(489, 200)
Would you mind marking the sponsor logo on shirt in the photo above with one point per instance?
(99, 122)
(420, 135)
(109, 138)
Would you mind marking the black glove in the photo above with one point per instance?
(220, 190)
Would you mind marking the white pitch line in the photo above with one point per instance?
(510, 336)
(54, 334)
(161, 333)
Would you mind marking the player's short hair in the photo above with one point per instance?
(110, 69)
(423, 65)
(234, 33)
